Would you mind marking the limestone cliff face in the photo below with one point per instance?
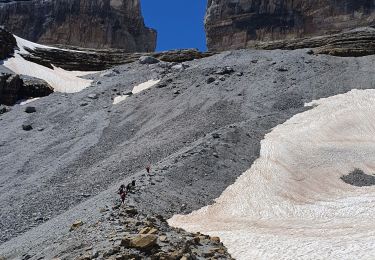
(233, 24)
(83, 23)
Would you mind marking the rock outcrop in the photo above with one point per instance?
(14, 88)
(124, 233)
(84, 23)
(94, 59)
(7, 44)
(353, 43)
(234, 24)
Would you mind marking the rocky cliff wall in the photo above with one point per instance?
(83, 23)
(233, 24)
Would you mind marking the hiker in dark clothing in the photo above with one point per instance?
(122, 192)
(148, 169)
(133, 183)
(128, 187)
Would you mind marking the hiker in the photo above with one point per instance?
(122, 192)
(128, 187)
(148, 169)
(133, 183)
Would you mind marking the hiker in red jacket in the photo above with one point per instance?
(122, 192)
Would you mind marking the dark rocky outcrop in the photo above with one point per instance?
(7, 44)
(85, 23)
(14, 88)
(234, 24)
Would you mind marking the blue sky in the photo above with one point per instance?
(179, 22)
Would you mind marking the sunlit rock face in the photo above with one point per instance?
(83, 23)
(233, 24)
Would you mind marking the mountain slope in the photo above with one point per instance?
(199, 134)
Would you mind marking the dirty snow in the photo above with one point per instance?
(292, 204)
(61, 80)
(28, 101)
(146, 85)
(119, 99)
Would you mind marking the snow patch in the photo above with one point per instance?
(119, 99)
(292, 204)
(137, 89)
(28, 101)
(146, 85)
(61, 80)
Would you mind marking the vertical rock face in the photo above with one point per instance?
(83, 23)
(7, 44)
(233, 24)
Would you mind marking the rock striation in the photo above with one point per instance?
(234, 24)
(84, 23)
(353, 43)
(95, 59)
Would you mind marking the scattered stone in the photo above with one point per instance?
(177, 92)
(180, 67)
(83, 104)
(210, 80)
(239, 74)
(215, 239)
(27, 127)
(144, 242)
(76, 225)
(224, 71)
(163, 239)
(222, 78)
(216, 135)
(93, 96)
(148, 60)
(310, 52)
(30, 110)
(282, 69)
(4, 109)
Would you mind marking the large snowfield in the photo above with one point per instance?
(61, 80)
(292, 204)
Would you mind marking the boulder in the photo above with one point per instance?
(148, 60)
(27, 127)
(210, 80)
(76, 225)
(93, 96)
(30, 109)
(3, 109)
(10, 86)
(224, 71)
(144, 242)
(14, 88)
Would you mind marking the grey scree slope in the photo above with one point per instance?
(85, 151)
